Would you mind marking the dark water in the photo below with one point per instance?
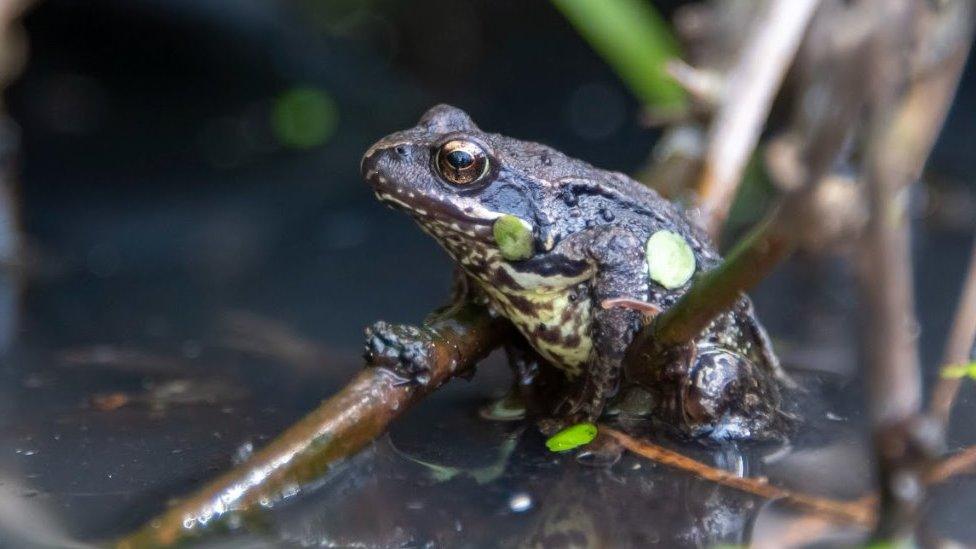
(186, 301)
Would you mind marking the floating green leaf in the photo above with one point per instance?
(304, 117)
(959, 371)
(670, 260)
(514, 237)
(635, 40)
(571, 437)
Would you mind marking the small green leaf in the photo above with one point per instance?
(959, 371)
(514, 237)
(670, 260)
(571, 437)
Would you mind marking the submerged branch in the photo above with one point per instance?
(337, 429)
(822, 513)
(846, 511)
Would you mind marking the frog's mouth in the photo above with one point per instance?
(457, 213)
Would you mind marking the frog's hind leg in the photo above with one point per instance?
(729, 397)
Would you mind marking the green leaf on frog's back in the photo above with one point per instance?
(959, 371)
(571, 437)
(636, 41)
(670, 260)
(513, 237)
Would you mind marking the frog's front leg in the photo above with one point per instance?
(621, 272)
(408, 352)
(403, 350)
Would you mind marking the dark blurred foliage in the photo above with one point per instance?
(217, 143)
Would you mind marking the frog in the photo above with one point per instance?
(574, 246)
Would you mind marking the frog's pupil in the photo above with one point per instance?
(459, 159)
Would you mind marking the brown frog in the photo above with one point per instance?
(545, 240)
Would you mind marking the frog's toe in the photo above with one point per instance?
(402, 350)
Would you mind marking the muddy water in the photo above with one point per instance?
(188, 297)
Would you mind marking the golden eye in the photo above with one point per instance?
(461, 162)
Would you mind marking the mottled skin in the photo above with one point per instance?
(589, 228)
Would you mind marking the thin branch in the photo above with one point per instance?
(337, 429)
(824, 513)
(809, 528)
(962, 462)
(748, 95)
(959, 345)
(846, 511)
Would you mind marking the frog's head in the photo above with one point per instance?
(457, 180)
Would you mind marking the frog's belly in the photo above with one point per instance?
(555, 326)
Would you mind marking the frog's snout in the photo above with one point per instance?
(382, 159)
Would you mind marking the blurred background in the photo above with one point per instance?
(187, 182)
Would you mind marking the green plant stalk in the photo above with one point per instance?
(635, 40)
(748, 263)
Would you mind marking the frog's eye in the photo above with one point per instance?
(461, 162)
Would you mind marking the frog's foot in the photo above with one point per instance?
(402, 350)
(578, 406)
(585, 400)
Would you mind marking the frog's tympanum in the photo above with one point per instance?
(544, 240)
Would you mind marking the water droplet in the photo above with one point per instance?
(243, 452)
(289, 491)
(520, 502)
(191, 349)
(415, 505)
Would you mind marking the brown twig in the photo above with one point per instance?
(959, 345)
(846, 511)
(335, 430)
(825, 513)
(811, 527)
(963, 461)
(748, 95)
